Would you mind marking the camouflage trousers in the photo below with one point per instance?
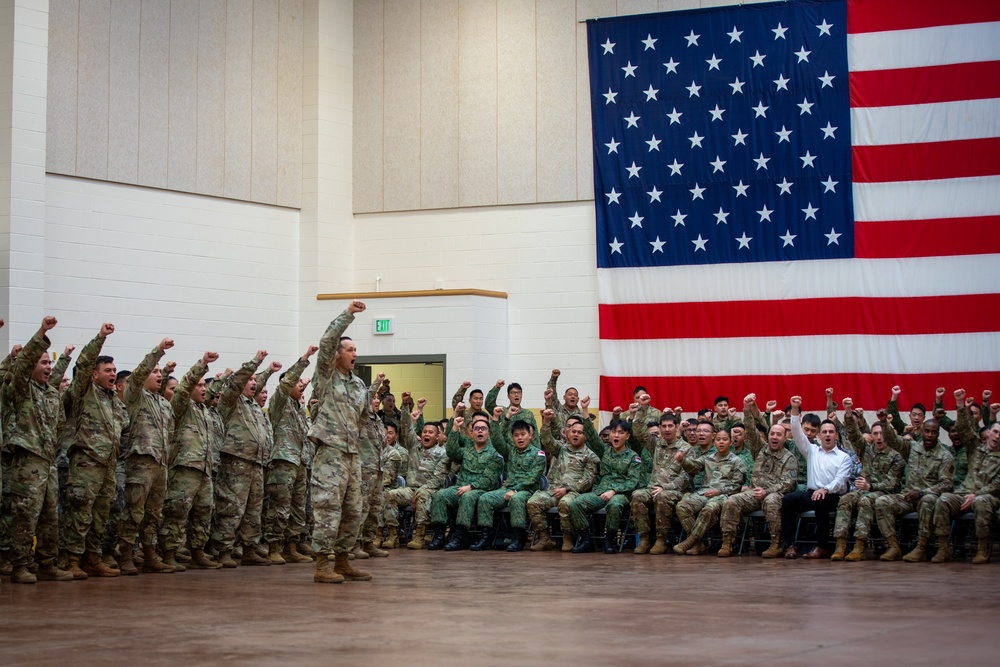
(117, 509)
(371, 506)
(862, 502)
(950, 504)
(187, 510)
(90, 492)
(491, 501)
(539, 504)
(445, 499)
(663, 505)
(31, 505)
(285, 517)
(889, 507)
(697, 513)
(337, 498)
(743, 503)
(5, 459)
(145, 490)
(239, 499)
(586, 504)
(404, 496)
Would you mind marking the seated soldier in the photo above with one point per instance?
(980, 492)
(881, 472)
(774, 474)
(481, 468)
(699, 511)
(667, 481)
(619, 476)
(573, 470)
(525, 467)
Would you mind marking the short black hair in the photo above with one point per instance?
(620, 423)
(103, 359)
(638, 387)
(919, 406)
(811, 419)
(474, 392)
(520, 425)
(719, 399)
(122, 375)
(669, 417)
(705, 411)
(653, 424)
(512, 386)
(479, 413)
(393, 424)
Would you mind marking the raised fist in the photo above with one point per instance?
(355, 307)
(959, 396)
(585, 403)
(466, 385)
(107, 329)
(169, 367)
(750, 399)
(313, 349)
(461, 407)
(275, 366)
(829, 392)
(548, 394)
(48, 322)
(896, 391)
(939, 392)
(547, 415)
(261, 354)
(644, 400)
(556, 372)
(458, 423)
(796, 401)
(166, 344)
(497, 412)
(771, 406)
(499, 384)
(421, 402)
(847, 403)
(68, 350)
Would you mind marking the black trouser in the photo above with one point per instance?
(801, 501)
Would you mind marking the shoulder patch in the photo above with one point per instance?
(541, 453)
(638, 460)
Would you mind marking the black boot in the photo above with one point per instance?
(438, 540)
(485, 542)
(457, 540)
(583, 542)
(517, 544)
(611, 542)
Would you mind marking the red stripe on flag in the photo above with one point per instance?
(869, 391)
(926, 162)
(879, 15)
(859, 316)
(925, 85)
(943, 237)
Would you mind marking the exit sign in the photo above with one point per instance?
(383, 326)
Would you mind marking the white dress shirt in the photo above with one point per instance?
(826, 469)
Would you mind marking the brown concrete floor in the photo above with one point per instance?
(436, 608)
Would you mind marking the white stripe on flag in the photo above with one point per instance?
(927, 200)
(924, 47)
(924, 123)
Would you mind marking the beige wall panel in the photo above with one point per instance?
(516, 127)
(211, 168)
(123, 98)
(92, 89)
(239, 55)
(401, 122)
(154, 87)
(289, 158)
(368, 105)
(586, 9)
(556, 104)
(264, 107)
(60, 137)
(439, 104)
(477, 106)
(182, 113)
(637, 7)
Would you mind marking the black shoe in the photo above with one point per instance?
(583, 543)
(485, 542)
(517, 544)
(437, 542)
(457, 540)
(610, 542)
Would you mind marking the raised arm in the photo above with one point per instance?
(24, 365)
(491, 396)
(235, 384)
(751, 414)
(460, 394)
(330, 343)
(59, 368)
(798, 435)
(83, 376)
(181, 401)
(134, 385)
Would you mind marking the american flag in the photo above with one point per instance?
(798, 195)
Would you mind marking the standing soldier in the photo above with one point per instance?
(151, 426)
(90, 487)
(344, 404)
(561, 410)
(285, 520)
(372, 441)
(393, 458)
(187, 510)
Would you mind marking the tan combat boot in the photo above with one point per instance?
(201, 561)
(302, 546)
(983, 552)
(252, 557)
(841, 550)
(373, 551)
(324, 573)
(342, 566)
(543, 541)
(94, 566)
(291, 554)
(226, 558)
(358, 552)
(182, 555)
(170, 560)
(52, 572)
(660, 545)
(644, 545)
(391, 540)
(417, 541)
(727, 546)
(151, 562)
(893, 552)
(73, 565)
(858, 552)
(682, 548)
(568, 540)
(774, 549)
(274, 553)
(919, 552)
(19, 574)
(127, 565)
(377, 542)
(943, 554)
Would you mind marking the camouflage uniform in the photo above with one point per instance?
(983, 480)
(696, 512)
(698, 480)
(285, 518)
(239, 486)
(881, 469)
(187, 510)
(151, 425)
(619, 473)
(525, 468)
(30, 435)
(480, 469)
(523, 415)
(667, 475)
(560, 413)
(928, 472)
(392, 458)
(574, 469)
(428, 467)
(100, 419)
(344, 404)
(372, 441)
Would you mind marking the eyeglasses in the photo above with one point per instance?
(480, 428)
